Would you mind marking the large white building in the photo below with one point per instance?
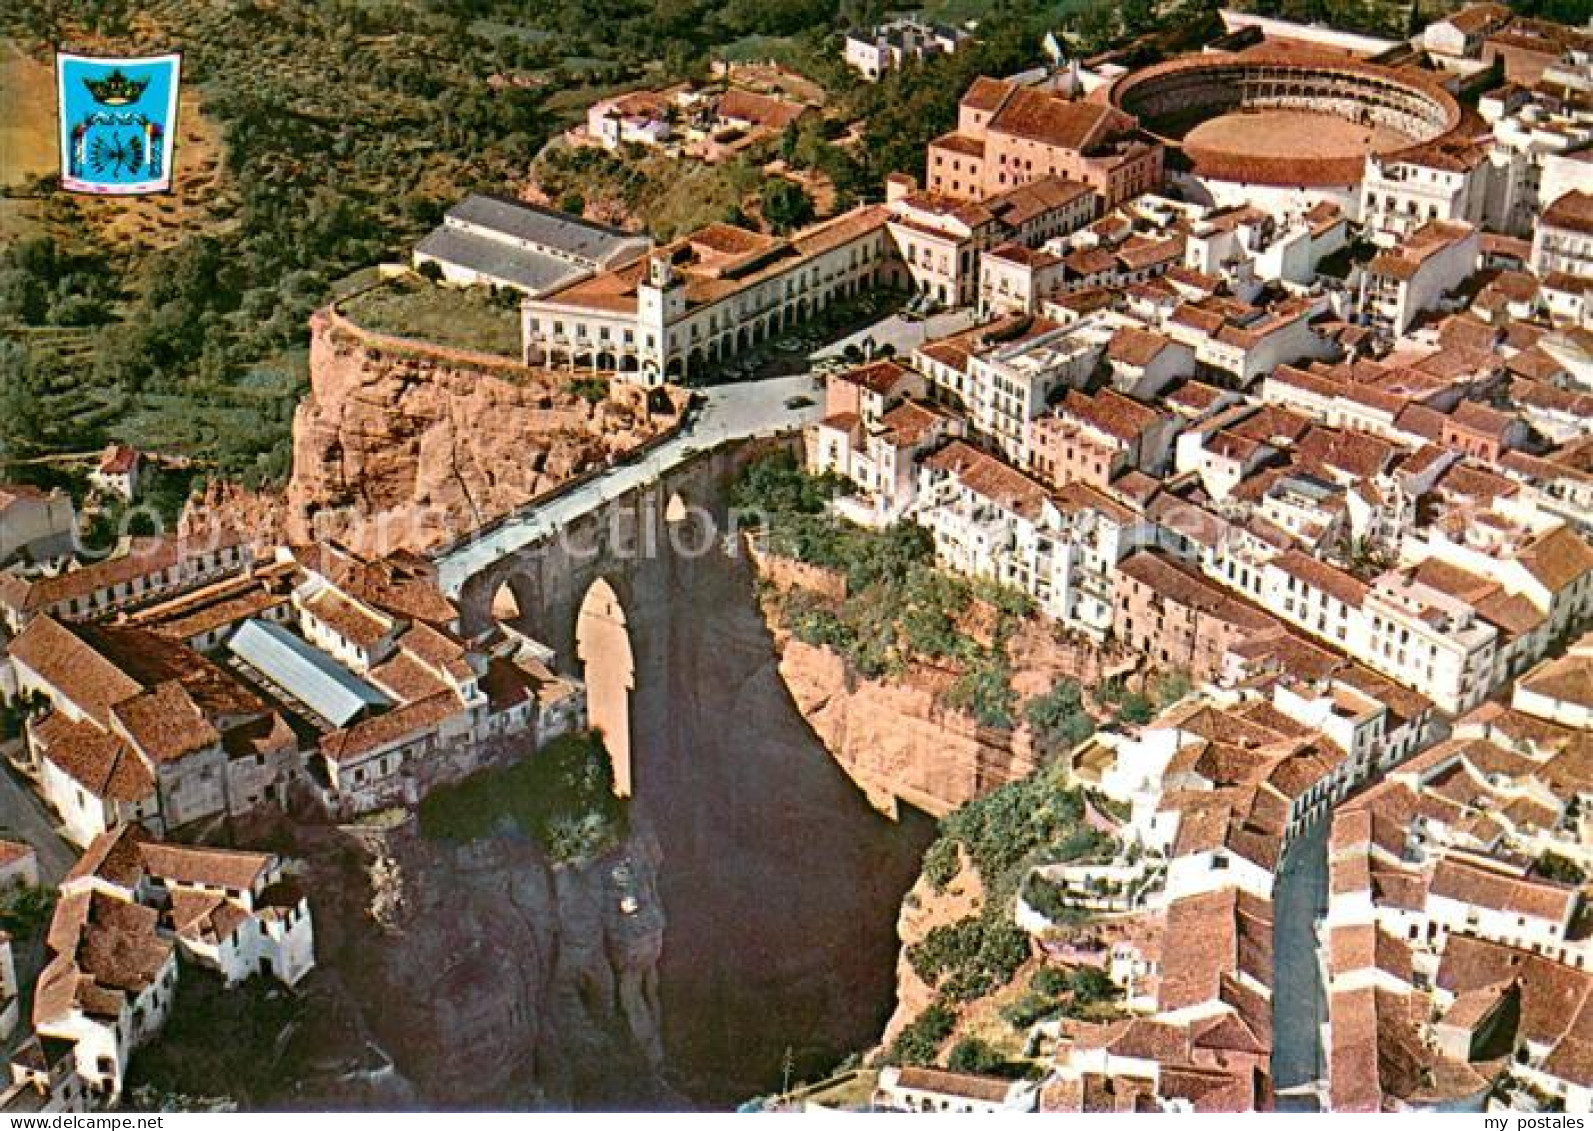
(496, 241)
(707, 297)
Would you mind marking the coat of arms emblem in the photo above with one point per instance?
(118, 118)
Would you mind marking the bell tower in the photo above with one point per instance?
(661, 296)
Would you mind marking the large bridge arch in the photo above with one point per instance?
(603, 645)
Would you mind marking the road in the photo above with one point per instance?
(24, 817)
(1299, 1009)
(901, 335)
(730, 412)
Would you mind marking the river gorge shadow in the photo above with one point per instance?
(780, 883)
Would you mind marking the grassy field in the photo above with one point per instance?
(461, 318)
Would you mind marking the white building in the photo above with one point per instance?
(1442, 181)
(127, 910)
(707, 297)
(873, 51)
(1429, 264)
(935, 1090)
(1562, 243)
(497, 241)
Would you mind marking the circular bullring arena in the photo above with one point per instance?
(1289, 120)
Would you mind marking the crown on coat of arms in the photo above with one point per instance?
(115, 89)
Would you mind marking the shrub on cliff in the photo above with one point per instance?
(562, 796)
(942, 862)
(1058, 718)
(919, 1041)
(1038, 816)
(970, 958)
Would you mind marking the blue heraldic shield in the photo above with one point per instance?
(118, 120)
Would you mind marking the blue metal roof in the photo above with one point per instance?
(304, 672)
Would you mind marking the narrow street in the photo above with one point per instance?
(24, 817)
(1299, 1007)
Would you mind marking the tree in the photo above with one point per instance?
(785, 205)
(1058, 717)
(974, 1055)
(1090, 985)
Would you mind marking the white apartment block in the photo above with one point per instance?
(873, 51)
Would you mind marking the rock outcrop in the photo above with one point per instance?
(492, 978)
(895, 740)
(895, 737)
(404, 445)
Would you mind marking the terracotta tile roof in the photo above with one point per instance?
(1235, 929)
(1568, 679)
(351, 620)
(761, 110)
(989, 1089)
(65, 661)
(107, 950)
(985, 94)
(911, 421)
(145, 557)
(1552, 995)
(1131, 345)
(881, 377)
(1572, 212)
(1188, 589)
(989, 477)
(205, 917)
(403, 722)
(115, 856)
(101, 763)
(1337, 584)
(406, 679)
(1108, 411)
(1518, 895)
(1038, 115)
(165, 723)
(1557, 559)
(1421, 245)
(960, 143)
(201, 867)
(1476, 19)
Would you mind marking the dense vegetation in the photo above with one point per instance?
(900, 609)
(920, 1039)
(1037, 820)
(562, 797)
(971, 957)
(347, 128)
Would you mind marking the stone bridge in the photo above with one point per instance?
(587, 586)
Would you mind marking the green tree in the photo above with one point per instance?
(977, 1056)
(785, 205)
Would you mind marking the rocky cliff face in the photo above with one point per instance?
(895, 740)
(491, 978)
(899, 743)
(404, 445)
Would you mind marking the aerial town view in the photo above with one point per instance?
(796, 556)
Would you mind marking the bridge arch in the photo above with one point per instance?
(603, 644)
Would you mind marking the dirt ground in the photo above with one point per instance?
(1281, 133)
